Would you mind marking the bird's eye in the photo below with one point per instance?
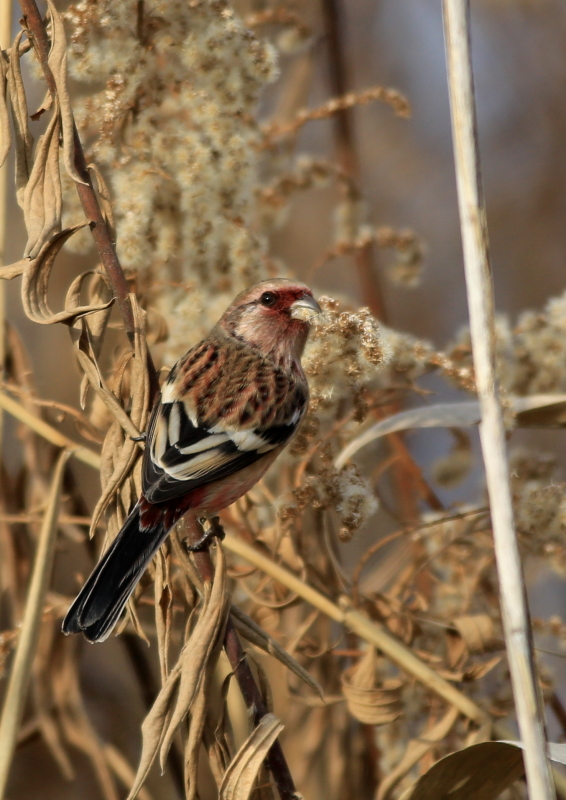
(267, 299)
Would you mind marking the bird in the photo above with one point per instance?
(226, 411)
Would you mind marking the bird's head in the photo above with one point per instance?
(273, 315)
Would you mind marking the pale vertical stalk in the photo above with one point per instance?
(514, 610)
(29, 634)
(5, 40)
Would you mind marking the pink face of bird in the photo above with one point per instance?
(275, 316)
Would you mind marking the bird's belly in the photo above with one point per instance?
(221, 494)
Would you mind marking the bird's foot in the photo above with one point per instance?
(214, 531)
(141, 438)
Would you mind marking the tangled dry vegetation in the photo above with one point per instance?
(375, 667)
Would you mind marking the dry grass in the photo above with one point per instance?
(369, 667)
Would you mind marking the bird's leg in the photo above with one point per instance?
(215, 530)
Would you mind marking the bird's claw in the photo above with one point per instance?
(141, 438)
(214, 531)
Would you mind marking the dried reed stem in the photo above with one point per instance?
(514, 609)
(27, 643)
(48, 432)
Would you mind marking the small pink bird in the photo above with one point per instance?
(227, 409)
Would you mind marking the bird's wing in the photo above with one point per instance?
(194, 441)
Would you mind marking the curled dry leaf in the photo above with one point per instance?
(43, 195)
(23, 139)
(473, 633)
(57, 61)
(5, 130)
(239, 778)
(479, 772)
(35, 285)
(90, 329)
(370, 702)
(478, 632)
(180, 691)
(251, 631)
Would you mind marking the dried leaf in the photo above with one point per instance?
(163, 607)
(195, 738)
(478, 632)
(14, 270)
(90, 330)
(240, 776)
(256, 635)
(415, 750)
(534, 408)
(43, 196)
(35, 284)
(219, 739)
(479, 772)
(92, 372)
(371, 703)
(122, 769)
(556, 751)
(58, 64)
(5, 130)
(22, 136)
(185, 677)
(196, 657)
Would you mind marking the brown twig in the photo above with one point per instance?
(346, 149)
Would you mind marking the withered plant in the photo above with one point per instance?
(356, 616)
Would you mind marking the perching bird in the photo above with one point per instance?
(227, 409)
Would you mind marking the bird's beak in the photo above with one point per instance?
(305, 309)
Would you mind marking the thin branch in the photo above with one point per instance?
(371, 291)
(514, 609)
(23, 661)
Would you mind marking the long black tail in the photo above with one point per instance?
(101, 600)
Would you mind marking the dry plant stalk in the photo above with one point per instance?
(377, 668)
(515, 614)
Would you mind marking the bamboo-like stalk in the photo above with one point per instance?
(27, 643)
(514, 609)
